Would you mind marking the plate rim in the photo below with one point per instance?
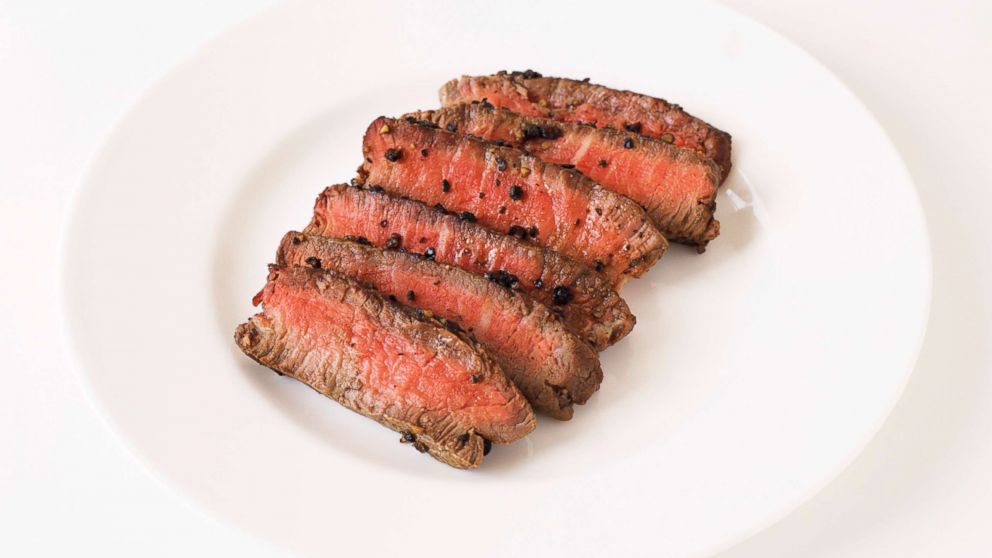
(926, 252)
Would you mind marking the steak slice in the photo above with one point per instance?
(569, 100)
(443, 392)
(589, 307)
(508, 190)
(676, 186)
(552, 367)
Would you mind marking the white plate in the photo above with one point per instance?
(756, 371)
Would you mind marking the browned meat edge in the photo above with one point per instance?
(459, 438)
(558, 97)
(559, 208)
(595, 311)
(552, 367)
(682, 208)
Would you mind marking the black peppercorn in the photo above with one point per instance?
(500, 163)
(429, 253)
(531, 131)
(599, 265)
(359, 239)
(628, 143)
(538, 284)
(502, 278)
(603, 163)
(487, 446)
(451, 127)
(532, 231)
(633, 127)
(423, 152)
(561, 295)
(313, 262)
(410, 295)
(445, 185)
(474, 379)
(516, 192)
(394, 241)
(383, 223)
(467, 216)
(394, 154)
(408, 438)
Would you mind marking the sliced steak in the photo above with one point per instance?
(569, 100)
(551, 366)
(582, 298)
(444, 393)
(510, 191)
(676, 186)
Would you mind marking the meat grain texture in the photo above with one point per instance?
(443, 392)
(676, 186)
(531, 94)
(594, 312)
(552, 367)
(510, 191)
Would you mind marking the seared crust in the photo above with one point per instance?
(532, 94)
(552, 367)
(338, 364)
(676, 186)
(596, 313)
(560, 208)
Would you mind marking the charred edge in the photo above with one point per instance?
(526, 74)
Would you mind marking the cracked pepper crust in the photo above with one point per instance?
(510, 191)
(553, 368)
(595, 312)
(529, 93)
(676, 186)
(401, 368)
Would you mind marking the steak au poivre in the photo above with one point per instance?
(468, 275)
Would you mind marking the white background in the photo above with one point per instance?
(923, 487)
